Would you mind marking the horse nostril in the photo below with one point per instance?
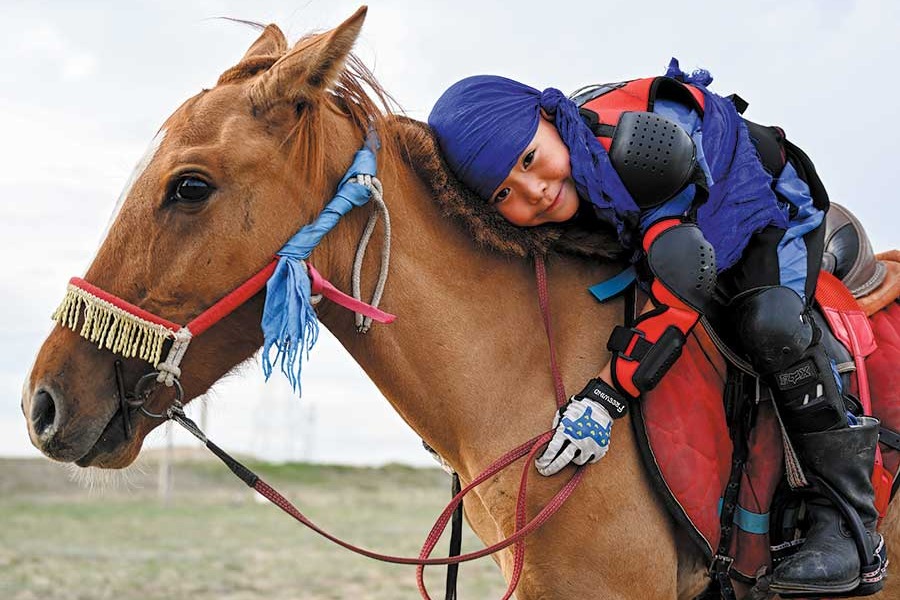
(43, 411)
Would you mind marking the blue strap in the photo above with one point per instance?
(613, 286)
(749, 521)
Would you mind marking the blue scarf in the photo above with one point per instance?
(289, 322)
(484, 123)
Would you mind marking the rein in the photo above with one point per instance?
(523, 526)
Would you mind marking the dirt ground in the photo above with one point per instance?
(63, 539)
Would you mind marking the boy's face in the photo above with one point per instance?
(539, 188)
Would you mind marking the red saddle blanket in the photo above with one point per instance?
(685, 442)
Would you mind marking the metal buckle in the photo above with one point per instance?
(721, 563)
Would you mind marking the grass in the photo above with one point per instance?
(213, 539)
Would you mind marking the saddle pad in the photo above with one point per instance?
(684, 441)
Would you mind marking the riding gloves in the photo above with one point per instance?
(583, 427)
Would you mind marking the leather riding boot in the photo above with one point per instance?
(828, 563)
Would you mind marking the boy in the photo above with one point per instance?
(672, 167)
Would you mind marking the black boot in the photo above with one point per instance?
(828, 563)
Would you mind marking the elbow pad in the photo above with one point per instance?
(684, 277)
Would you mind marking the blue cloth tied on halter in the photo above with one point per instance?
(484, 123)
(289, 321)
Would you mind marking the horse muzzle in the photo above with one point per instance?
(74, 410)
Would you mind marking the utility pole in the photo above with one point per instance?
(164, 482)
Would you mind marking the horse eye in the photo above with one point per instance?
(191, 190)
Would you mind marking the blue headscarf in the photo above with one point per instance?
(484, 123)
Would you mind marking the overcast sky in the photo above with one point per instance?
(85, 85)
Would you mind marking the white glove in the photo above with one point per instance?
(582, 436)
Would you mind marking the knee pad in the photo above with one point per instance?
(773, 327)
(782, 342)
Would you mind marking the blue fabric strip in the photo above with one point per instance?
(613, 286)
(289, 322)
(749, 521)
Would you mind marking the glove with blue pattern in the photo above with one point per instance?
(583, 428)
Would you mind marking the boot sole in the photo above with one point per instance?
(815, 591)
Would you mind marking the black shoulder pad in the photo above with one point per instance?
(654, 157)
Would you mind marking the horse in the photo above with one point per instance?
(464, 364)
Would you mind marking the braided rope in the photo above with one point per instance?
(169, 369)
(363, 323)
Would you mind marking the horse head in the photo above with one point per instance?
(229, 178)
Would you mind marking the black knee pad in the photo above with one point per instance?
(773, 327)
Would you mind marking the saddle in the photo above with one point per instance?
(688, 452)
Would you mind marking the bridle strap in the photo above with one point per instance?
(540, 275)
(232, 301)
(183, 334)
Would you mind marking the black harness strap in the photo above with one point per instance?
(455, 540)
(891, 439)
(740, 415)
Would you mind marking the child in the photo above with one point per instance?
(672, 167)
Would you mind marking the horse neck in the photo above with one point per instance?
(466, 363)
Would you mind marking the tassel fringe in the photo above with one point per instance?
(111, 327)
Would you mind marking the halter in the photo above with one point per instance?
(132, 332)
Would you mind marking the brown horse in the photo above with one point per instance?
(465, 362)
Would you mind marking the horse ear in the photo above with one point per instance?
(270, 42)
(310, 68)
(261, 55)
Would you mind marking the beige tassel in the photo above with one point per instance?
(111, 327)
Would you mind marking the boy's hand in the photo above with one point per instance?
(583, 427)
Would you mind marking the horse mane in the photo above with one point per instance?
(419, 149)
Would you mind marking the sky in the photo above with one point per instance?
(85, 86)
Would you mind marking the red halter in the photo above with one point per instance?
(130, 330)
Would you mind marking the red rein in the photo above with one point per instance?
(523, 527)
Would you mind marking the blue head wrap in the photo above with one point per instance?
(484, 123)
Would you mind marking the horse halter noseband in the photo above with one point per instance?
(132, 332)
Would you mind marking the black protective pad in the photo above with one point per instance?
(654, 157)
(685, 263)
(773, 327)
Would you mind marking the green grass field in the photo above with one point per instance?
(60, 540)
